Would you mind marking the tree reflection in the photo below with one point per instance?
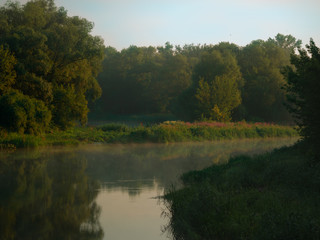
(48, 198)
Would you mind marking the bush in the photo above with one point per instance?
(141, 134)
(22, 114)
(118, 127)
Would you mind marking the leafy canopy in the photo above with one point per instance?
(216, 85)
(261, 64)
(53, 52)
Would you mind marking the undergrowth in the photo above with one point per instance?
(166, 132)
(271, 196)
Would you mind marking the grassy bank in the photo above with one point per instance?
(272, 196)
(172, 131)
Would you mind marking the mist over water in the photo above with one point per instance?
(102, 191)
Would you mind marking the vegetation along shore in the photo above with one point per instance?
(166, 132)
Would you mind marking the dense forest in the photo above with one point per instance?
(219, 82)
(52, 69)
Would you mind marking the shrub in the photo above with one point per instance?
(22, 114)
(141, 134)
(118, 127)
(171, 133)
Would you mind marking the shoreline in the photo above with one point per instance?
(170, 132)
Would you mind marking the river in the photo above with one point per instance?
(102, 191)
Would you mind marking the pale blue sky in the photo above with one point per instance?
(122, 23)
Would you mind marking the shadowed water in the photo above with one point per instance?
(101, 191)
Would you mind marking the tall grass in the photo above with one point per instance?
(166, 132)
(15, 140)
(272, 196)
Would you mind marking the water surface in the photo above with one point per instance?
(102, 191)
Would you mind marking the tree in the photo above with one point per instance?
(303, 89)
(53, 52)
(140, 80)
(216, 86)
(68, 107)
(286, 42)
(218, 98)
(261, 64)
(173, 76)
(125, 79)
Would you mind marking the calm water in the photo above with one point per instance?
(101, 191)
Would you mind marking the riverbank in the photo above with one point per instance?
(271, 196)
(166, 132)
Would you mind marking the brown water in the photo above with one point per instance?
(102, 191)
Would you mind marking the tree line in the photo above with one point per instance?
(219, 82)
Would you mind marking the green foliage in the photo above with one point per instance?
(49, 56)
(303, 93)
(54, 54)
(219, 82)
(36, 87)
(217, 100)
(273, 196)
(261, 63)
(7, 72)
(216, 88)
(68, 107)
(167, 132)
(118, 127)
(287, 42)
(140, 134)
(172, 133)
(23, 114)
(142, 80)
(15, 140)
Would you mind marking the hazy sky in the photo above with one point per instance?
(122, 23)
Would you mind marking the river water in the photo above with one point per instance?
(102, 191)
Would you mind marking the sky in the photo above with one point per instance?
(122, 23)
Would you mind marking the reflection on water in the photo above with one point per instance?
(44, 197)
(132, 187)
(101, 191)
